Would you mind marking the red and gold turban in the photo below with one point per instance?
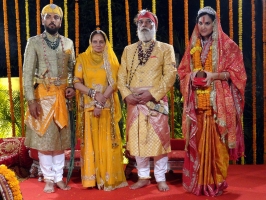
(52, 8)
(148, 14)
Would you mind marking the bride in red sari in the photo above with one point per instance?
(212, 81)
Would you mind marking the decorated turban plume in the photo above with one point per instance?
(52, 8)
(208, 10)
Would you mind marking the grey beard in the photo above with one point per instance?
(146, 36)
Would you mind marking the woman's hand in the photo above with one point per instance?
(100, 98)
(97, 112)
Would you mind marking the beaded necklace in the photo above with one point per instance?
(142, 58)
(57, 82)
(52, 45)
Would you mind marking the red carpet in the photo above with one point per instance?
(245, 182)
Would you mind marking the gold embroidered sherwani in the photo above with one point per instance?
(158, 74)
(47, 133)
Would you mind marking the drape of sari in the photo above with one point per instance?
(205, 167)
(101, 164)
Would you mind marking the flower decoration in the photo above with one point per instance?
(65, 18)
(12, 182)
(77, 27)
(186, 21)
(127, 22)
(68, 51)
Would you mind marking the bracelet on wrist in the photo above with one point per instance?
(98, 105)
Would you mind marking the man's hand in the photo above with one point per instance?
(144, 97)
(35, 109)
(131, 99)
(70, 92)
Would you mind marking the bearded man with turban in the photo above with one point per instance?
(47, 71)
(146, 74)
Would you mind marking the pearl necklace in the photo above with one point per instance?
(56, 82)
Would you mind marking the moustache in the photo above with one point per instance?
(144, 29)
(52, 24)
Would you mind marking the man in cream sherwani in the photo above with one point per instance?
(146, 74)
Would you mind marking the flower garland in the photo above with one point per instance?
(203, 95)
(65, 18)
(139, 5)
(38, 14)
(218, 8)
(27, 19)
(97, 15)
(154, 6)
(254, 119)
(186, 22)
(171, 41)
(20, 67)
(231, 29)
(8, 67)
(77, 27)
(264, 64)
(240, 24)
(110, 22)
(201, 3)
(127, 22)
(12, 182)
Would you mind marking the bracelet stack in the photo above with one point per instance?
(92, 93)
(98, 105)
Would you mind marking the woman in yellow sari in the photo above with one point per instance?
(98, 115)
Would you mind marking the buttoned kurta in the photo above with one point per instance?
(158, 74)
(60, 62)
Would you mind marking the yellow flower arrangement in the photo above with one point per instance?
(12, 181)
(68, 51)
(203, 94)
(186, 22)
(127, 22)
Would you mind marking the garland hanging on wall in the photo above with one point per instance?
(20, 67)
(231, 28)
(97, 15)
(8, 66)
(38, 14)
(186, 22)
(27, 19)
(154, 6)
(171, 41)
(240, 24)
(218, 8)
(77, 27)
(139, 5)
(65, 19)
(127, 22)
(254, 118)
(110, 23)
(201, 3)
(264, 68)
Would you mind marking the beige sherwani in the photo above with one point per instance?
(158, 74)
(38, 58)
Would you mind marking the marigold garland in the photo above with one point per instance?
(264, 67)
(38, 14)
(186, 22)
(65, 18)
(127, 22)
(254, 119)
(27, 19)
(12, 181)
(203, 95)
(20, 67)
(201, 3)
(77, 27)
(218, 8)
(171, 41)
(110, 22)
(97, 15)
(8, 65)
(139, 4)
(240, 24)
(231, 28)
(154, 6)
